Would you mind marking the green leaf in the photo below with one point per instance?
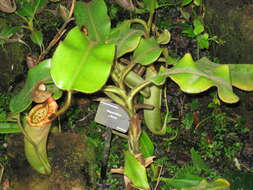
(172, 60)
(197, 160)
(196, 77)
(219, 184)
(197, 2)
(187, 181)
(150, 5)
(23, 99)
(188, 29)
(147, 52)
(9, 127)
(37, 37)
(29, 9)
(185, 14)
(242, 76)
(160, 79)
(135, 171)
(40, 4)
(93, 16)
(81, 65)
(203, 41)
(56, 92)
(198, 26)
(125, 38)
(186, 2)
(132, 79)
(146, 145)
(8, 31)
(164, 37)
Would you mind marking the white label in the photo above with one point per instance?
(113, 116)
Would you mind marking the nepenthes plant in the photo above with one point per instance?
(125, 63)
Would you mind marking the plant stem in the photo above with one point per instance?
(150, 20)
(143, 23)
(198, 51)
(56, 38)
(65, 106)
(124, 73)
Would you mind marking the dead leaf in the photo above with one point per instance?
(8, 6)
(39, 93)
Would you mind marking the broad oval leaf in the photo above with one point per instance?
(196, 77)
(147, 52)
(93, 16)
(23, 99)
(135, 171)
(125, 38)
(81, 65)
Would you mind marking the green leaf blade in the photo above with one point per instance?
(93, 16)
(219, 184)
(147, 52)
(198, 26)
(81, 65)
(186, 181)
(127, 39)
(37, 37)
(146, 144)
(197, 77)
(186, 2)
(197, 2)
(150, 5)
(23, 99)
(242, 76)
(135, 171)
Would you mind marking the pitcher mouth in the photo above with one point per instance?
(41, 114)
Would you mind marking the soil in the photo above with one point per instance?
(72, 160)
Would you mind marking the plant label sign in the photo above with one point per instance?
(113, 116)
